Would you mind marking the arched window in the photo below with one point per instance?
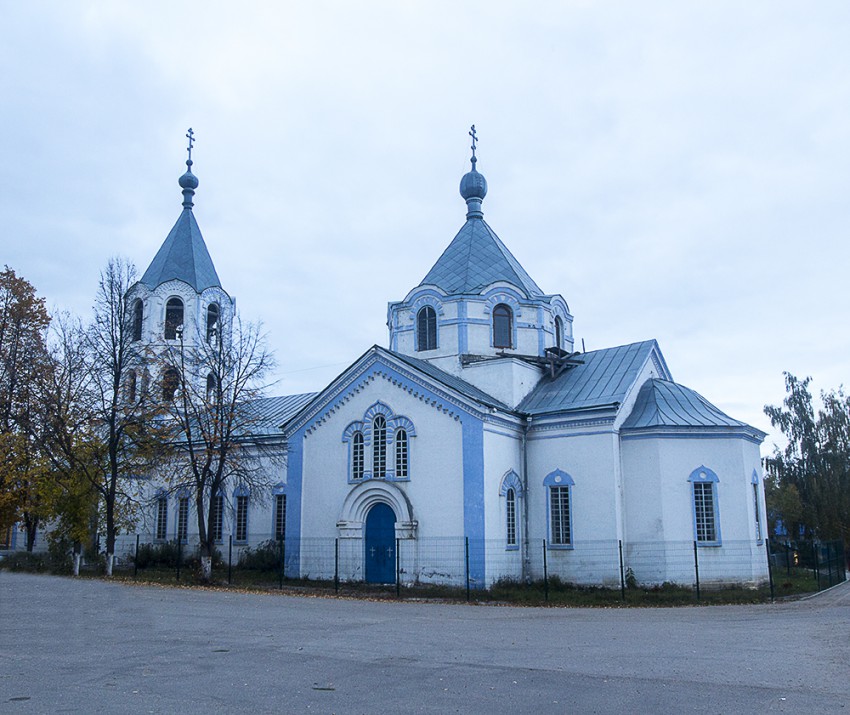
(426, 329)
(510, 515)
(401, 454)
(138, 316)
(559, 333)
(379, 447)
(357, 456)
(170, 382)
(560, 486)
(173, 318)
(211, 385)
(213, 313)
(502, 326)
(131, 386)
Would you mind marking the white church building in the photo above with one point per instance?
(480, 445)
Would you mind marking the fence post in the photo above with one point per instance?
(179, 555)
(280, 567)
(229, 559)
(829, 564)
(788, 557)
(136, 560)
(398, 570)
(466, 558)
(336, 565)
(696, 566)
(545, 574)
(622, 571)
(816, 560)
(769, 568)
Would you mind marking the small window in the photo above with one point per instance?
(502, 326)
(280, 516)
(161, 518)
(559, 333)
(426, 329)
(401, 447)
(138, 316)
(242, 518)
(510, 513)
(170, 383)
(173, 318)
(131, 386)
(357, 456)
(183, 518)
(213, 313)
(379, 447)
(217, 517)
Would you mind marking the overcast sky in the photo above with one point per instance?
(678, 171)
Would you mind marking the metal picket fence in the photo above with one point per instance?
(474, 566)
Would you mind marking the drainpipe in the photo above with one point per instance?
(526, 564)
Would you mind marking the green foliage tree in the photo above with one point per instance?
(23, 321)
(808, 482)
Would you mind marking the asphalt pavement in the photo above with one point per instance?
(90, 646)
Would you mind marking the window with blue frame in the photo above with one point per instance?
(358, 456)
(280, 516)
(705, 509)
(756, 509)
(379, 447)
(559, 512)
(401, 454)
(183, 518)
(510, 517)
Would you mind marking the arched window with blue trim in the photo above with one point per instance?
(511, 489)
(161, 517)
(279, 494)
(705, 508)
(401, 454)
(426, 329)
(138, 317)
(241, 513)
(559, 486)
(502, 326)
(379, 447)
(757, 508)
(358, 456)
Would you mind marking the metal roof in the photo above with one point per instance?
(272, 412)
(603, 379)
(183, 256)
(476, 258)
(661, 403)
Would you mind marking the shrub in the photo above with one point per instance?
(266, 557)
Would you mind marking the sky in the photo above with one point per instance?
(677, 171)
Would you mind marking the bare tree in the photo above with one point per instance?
(210, 383)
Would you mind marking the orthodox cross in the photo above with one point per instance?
(190, 135)
(474, 136)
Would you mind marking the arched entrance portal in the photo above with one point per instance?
(380, 544)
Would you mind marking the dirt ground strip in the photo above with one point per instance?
(87, 646)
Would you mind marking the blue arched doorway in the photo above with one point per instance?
(380, 544)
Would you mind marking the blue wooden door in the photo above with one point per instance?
(380, 544)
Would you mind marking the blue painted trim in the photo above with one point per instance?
(279, 488)
(511, 481)
(295, 484)
(722, 433)
(541, 332)
(241, 491)
(703, 474)
(473, 496)
(462, 328)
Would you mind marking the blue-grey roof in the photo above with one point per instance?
(271, 412)
(602, 379)
(451, 381)
(184, 257)
(475, 259)
(661, 403)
